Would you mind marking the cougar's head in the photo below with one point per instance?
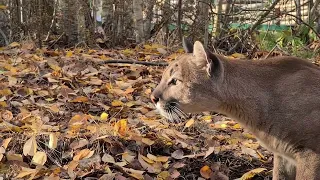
(190, 83)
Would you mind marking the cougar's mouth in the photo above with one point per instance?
(171, 112)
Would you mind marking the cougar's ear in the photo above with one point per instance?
(200, 54)
(205, 59)
(187, 46)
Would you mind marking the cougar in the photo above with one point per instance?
(277, 99)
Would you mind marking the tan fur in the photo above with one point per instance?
(277, 99)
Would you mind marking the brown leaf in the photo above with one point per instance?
(6, 115)
(80, 99)
(79, 144)
(83, 154)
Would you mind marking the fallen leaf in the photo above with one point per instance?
(26, 172)
(147, 141)
(178, 154)
(80, 99)
(6, 115)
(83, 154)
(53, 141)
(6, 142)
(249, 175)
(121, 127)
(39, 158)
(14, 44)
(30, 147)
(104, 116)
(189, 123)
(209, 152)
(116, 103)
(14, 157)
(206, 172)
(108, 158)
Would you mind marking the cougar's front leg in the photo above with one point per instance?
(308, 166)
(283, 169)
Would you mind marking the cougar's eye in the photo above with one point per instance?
(173, 81)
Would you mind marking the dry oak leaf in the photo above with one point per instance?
(30, 147)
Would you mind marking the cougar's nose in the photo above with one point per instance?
(154, 99)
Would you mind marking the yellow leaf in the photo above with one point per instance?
(189, 123)
(121, 127)
(163, 175)
(116, 103)
(206, 172)
(14, 157)
(69, 54)
(147, 141)
(162, 159)
(249, 175)
(224, 125)
(14, 44)
(5, 92)
(30, 147)
(150, 161)
(39, 158)
(128, 52)
(54, 64)
(238, 55)
(6, 142)
(53, 140)
(236, 126)
(26, 172)
(207, 118)
(104, 116)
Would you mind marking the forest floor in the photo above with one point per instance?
(71, 114)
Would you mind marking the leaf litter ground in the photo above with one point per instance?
(66, 114)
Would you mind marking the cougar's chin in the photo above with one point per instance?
(171, 111)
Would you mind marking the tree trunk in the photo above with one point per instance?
(149, 16)
(138, 20)
(179, 19)
(69, 21)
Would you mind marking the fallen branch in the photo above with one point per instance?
(157, 63)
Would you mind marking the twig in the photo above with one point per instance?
(157, 63)
(308, 25)
(256, 24)
(56, 41)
